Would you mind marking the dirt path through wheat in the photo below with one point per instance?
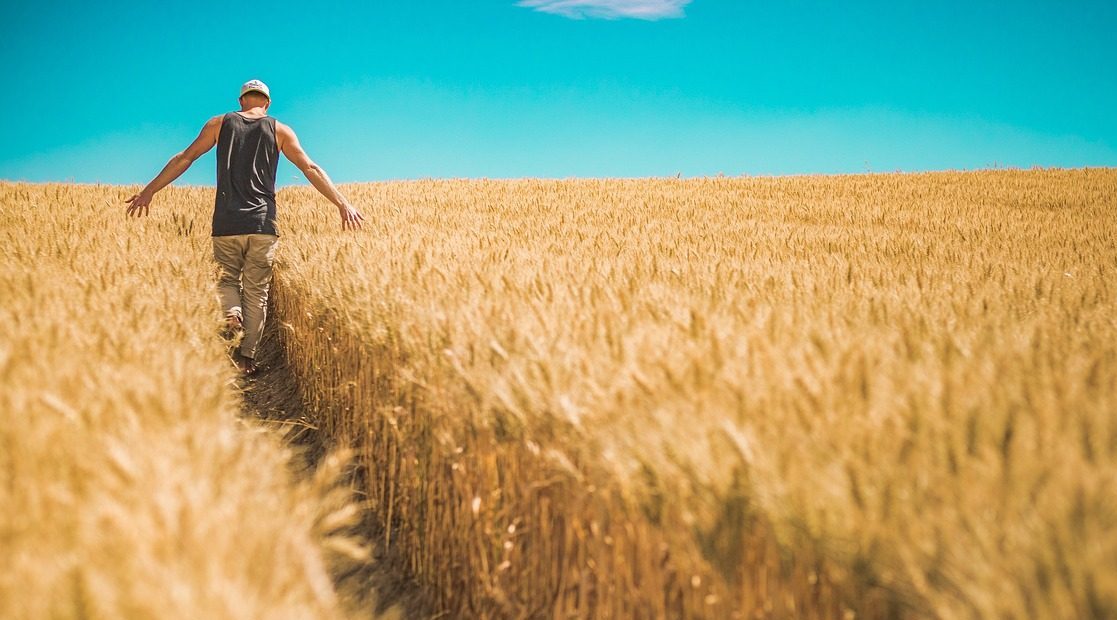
(375, 590)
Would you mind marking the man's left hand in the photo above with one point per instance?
(350, 218)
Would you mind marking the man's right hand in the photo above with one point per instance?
(350, 218)
(138, 204)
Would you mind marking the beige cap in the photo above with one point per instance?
(255, 85)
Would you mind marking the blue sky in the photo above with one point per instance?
(560, 88)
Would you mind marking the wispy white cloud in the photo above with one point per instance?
(610, 9)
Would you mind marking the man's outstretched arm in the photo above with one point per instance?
(289, 145)
(138, 204)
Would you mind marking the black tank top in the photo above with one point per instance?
(247, 156)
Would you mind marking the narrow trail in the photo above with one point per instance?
(379, 589)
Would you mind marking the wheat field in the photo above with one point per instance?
(856, 396)
(129, 488)
(868, 396)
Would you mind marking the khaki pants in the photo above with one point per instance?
(246, 267)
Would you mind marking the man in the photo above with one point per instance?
(244, 232)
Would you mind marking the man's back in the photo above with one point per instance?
(247, 157)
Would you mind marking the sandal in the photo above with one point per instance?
(248, 366)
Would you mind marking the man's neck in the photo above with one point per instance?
(254, 111)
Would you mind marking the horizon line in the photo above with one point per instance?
(679, 177)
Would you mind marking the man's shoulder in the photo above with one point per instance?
(283, 129)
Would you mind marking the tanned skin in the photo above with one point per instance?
(252, 105)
